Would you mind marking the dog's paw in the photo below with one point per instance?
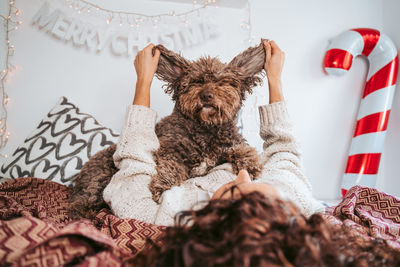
(245, 157)
(254, 169)
(201, 170)
(157, 188)
(156, 191)
(156, 195)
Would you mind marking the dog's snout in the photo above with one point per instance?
(207, 96)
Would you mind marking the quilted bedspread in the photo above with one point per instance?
(35, 228)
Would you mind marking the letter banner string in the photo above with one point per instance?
(96, 28)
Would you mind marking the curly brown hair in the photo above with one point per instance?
(255, 230)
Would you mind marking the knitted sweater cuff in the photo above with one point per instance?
(139, 117)
(273, 113)
(140, 122)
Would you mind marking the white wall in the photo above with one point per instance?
(322, 108)
(390, 169)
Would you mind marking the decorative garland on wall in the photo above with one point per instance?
(10, 23)
(124, 32)
(134, 19)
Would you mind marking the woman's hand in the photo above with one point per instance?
(145, 65)
(243, 185)
(274, 60)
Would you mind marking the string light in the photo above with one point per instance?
(128, 17)
(10, 23)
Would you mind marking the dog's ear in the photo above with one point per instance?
(249, 65)
(171, 67)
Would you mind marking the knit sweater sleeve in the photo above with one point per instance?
(127, 194)
(282, 159)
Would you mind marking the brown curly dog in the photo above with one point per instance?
(201, 132)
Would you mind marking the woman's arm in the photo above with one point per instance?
(281, 154)
(145, 66)
(274, 60)
(127, 193)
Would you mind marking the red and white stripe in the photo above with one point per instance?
(370, 131)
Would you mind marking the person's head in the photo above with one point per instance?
(255, 230)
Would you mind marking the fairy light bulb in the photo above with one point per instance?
(17, 12)
(120, 23)
(108, 21)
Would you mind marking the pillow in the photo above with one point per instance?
(62, 142)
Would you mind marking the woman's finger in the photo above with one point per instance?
(267, 48)
(157, 55)
(274, 47)
(149, 48)
(150, 45)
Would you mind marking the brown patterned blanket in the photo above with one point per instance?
(36, 230)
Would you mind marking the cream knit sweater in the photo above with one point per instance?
(128, 194)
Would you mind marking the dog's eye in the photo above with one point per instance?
(198, 81)
(230, 83)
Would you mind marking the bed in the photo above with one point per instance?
(35, 228)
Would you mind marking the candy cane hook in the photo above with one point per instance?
(373, 114)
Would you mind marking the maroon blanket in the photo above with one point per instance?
(370, 213)
(35, 228)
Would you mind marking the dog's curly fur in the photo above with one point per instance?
(201, 132)
(87, 191)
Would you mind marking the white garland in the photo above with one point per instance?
(123, 40)
(10, 23)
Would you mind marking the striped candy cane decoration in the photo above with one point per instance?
(369, 136)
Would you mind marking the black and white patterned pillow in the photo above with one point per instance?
(62, 142)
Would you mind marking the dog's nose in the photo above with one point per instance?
(206, 96)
